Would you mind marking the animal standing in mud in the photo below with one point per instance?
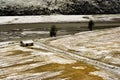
(53, 31)
(90, 25)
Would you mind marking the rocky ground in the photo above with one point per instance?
(83, 56)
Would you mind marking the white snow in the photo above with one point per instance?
(60, 60)
(96, 44)
(79, 67)
(34, 32)
(7, 19)
(104, 75)
(54, 18)
(41, 19)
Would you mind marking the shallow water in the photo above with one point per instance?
(41, 30)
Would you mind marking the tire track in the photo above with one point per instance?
(111, 68)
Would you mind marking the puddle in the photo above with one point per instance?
(19, 52)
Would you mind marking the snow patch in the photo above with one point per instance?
(34, 32)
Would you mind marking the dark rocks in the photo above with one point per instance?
(66, 7)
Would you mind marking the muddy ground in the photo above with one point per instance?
(78, 55)
(69, 57)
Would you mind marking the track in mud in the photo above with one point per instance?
(39, 62)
